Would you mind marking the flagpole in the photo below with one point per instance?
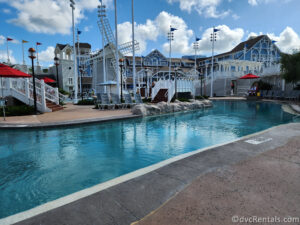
(23, 52)
(133, 51)
(79, 64)
(37, 55)
(8, 60)
(117, 50)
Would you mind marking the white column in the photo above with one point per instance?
(43, 96)
(117, 50)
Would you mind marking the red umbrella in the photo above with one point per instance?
(249, 76)
(48, 80)
(7, 71)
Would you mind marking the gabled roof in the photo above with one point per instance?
(83, 45)
(249, 43)
(61, 46)
(155, 51)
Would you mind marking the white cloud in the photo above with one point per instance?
(6, 11)
(257, 2)
(288, 40)
(227, 39)
(252, 2)
(49, 16)
(87, 28)
(47, 55)
(208, 8)
(2, 39)
(235, 16)
(153, 29)
(3, 56)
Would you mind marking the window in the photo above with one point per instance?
(70, 79)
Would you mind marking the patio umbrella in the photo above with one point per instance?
(48, 80)
(7, 71)
(249, 76)
(108, 83)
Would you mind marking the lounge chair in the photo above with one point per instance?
(279, 95)
(138, 99)
(117, 102)
(128, 100)
(269, 94)
(263, 93)
(105, 102)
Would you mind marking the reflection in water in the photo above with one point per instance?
(37, 166)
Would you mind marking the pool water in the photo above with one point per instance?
(37, 166)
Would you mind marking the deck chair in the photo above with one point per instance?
(105, 102)
(128, 100)
(138, 99)
(117, 102)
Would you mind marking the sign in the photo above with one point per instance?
(2, 103)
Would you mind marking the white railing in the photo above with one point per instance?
(161, 84)
(22, 89)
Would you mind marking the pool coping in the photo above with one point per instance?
(116, 181)
(66, 123)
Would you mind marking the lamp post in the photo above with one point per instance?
(31, 54)
(102, 15)
(170, 39)
(213, 39)
(196, 47)
(81, 70)
(121, 63)
(72, 5)
(56, 63)
(176, 93)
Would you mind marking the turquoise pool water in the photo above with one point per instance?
(37, 166)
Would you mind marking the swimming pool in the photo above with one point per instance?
(37, 166)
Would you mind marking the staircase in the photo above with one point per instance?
(161, 96)
(53, 106)
(22, 89)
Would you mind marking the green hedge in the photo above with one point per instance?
(86, 102)
(20, 110)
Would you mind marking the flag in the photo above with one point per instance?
(198, 39)
(23, 41)
(9, 39)
(78, 32)
(38, 43)
(172, 29)
(216, 30)
(273, 42)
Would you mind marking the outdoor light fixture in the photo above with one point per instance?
(121, 63)
(72, 5)
(56, 63)
(32, 56)
(213, 39)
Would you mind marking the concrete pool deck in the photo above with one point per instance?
(71, 115)
(258, 175)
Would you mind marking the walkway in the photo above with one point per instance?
(258, 175)
(72, 114)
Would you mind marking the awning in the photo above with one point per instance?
(48, 80)
(249, 76)
(7, 71)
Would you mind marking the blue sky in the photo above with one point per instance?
(49, 22)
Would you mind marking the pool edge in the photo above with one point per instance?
(108, 184)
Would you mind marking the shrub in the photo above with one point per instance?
(86, 102)
(19, 110)
(63, 92)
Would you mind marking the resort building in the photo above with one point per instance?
(258, 55)
(66, 66)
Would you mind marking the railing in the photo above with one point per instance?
(161, 84)
(22, 89)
